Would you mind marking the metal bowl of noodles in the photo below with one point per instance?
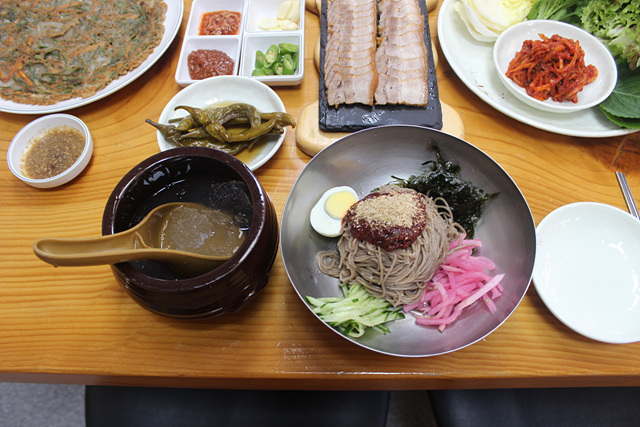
(370, 158)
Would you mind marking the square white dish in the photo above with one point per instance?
(200, 7)
(227, 44)
(261, 42)
(248, 39)
(258, 9)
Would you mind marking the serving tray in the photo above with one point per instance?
(354, 117)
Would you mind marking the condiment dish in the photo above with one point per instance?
(256, 38)
(595, 53)
(200, 7)
(262, 42)
(252, 35)
(25, 138)
(224, 90)
(228, 44)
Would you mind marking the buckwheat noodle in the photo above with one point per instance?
(400, 275)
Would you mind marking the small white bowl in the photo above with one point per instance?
(23, 139)
(227, 90)
(595, 53)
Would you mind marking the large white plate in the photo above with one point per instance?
(587, 270)
(226, 90)
(472, 61)
(173, 19)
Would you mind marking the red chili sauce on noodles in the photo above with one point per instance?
(219, 23)
(204, 63)
(388, 220)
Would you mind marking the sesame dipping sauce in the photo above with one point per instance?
(53, 152)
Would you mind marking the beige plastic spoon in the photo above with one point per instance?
(137, 243)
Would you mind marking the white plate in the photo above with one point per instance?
(595, 53)
(472, 61)
(173, 19)
(228, 89)
(587, 270)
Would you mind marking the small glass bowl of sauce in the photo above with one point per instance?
(50, 151)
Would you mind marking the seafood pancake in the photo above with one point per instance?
(56, 50)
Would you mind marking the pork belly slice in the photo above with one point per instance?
(401, 57)
(413, 91)
(349, 64)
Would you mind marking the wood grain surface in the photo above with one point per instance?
(76, 325)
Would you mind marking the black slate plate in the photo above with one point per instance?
(353, 117)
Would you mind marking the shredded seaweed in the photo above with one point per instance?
(441, 178)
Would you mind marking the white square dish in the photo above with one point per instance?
(253, 43)
(242, 48)
(200, 7)
(227, 44)
(268, 9)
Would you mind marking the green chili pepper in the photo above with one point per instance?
(289, 65)
(288, 48)
(259, 59)
(197, 114)
(278, 68)
(186, 123)
(270, 56)
(244, 125)
(171, 133)
(258, 72)
(218, 131)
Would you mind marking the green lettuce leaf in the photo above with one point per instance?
(616, 23)
(557, 10)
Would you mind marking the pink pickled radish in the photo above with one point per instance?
(461, 280)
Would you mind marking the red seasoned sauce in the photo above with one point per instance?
(219, 23)
(551, 68)
(204, 63)
(388, 220)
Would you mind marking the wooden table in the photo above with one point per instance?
(76, 325)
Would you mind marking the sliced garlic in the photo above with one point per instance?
(293, 13)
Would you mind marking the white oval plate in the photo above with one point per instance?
(587, 270)
(172, 21)
(595, 53)
(472, 62)
(228, 89)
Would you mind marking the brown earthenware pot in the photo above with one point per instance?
(186, 174)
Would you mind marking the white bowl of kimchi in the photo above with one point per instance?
(554, 66)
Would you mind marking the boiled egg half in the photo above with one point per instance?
(326, 216)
